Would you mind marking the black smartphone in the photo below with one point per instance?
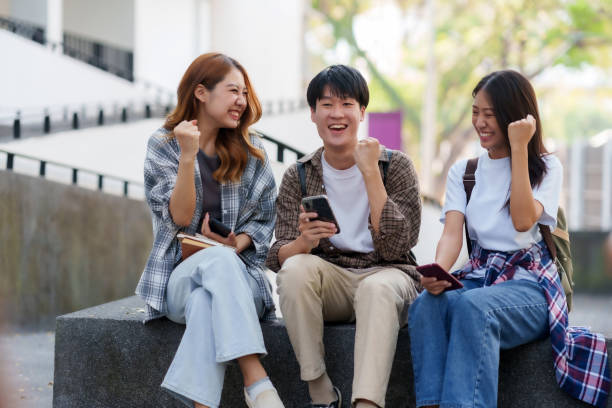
(435, 271)
(218, 227)
(320, 205)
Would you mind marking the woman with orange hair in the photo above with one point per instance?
(204, 164)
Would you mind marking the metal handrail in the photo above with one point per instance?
(280, 147)
(42, 165)
(60, 119)
(124, 113)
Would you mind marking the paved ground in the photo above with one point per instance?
(27, 358)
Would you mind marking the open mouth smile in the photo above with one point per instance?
(234, 114)
(337, 128)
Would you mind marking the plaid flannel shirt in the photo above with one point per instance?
(580, 357)
(399, 222)
(246, 206)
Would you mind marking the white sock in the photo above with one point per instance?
(258, 387)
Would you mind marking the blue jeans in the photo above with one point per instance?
(456, 336)
(214, 295)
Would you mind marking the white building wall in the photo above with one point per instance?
(64, 81)
(109, 21)
(165, 39)
(266, 36)
(5, 7)
(32, 11)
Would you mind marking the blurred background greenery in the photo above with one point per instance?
(419, 52)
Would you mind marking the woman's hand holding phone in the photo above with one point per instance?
(433, 285)
(437, 280)
(229, 240)
(311, 232)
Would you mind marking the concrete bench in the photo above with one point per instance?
(106, 357)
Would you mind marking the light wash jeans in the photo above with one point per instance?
(456, 336)
(213, 294)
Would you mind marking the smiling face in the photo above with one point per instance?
(483, 118)
(224, 105)
(337, 119)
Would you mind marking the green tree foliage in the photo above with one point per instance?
(473, 37)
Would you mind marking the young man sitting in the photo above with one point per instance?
(364, 273)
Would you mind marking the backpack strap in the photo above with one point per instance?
(302, 176)
(558, 232)
(547, 235)
(469, 181)
(385, 166)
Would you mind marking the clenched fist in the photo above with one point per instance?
(366, 155)
(521, 131)
(188, 137)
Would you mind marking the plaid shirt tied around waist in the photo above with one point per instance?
(247, 206)
(580, 356)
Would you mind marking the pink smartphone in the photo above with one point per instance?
(435, 271)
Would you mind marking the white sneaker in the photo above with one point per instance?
(266, 399)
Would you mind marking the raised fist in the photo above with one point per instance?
(521, 131)
(188, 137)
(366, 154)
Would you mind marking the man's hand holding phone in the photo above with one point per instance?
(313, 230)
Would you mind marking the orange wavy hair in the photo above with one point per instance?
(232, 145)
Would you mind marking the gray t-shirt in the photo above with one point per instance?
(212, 192)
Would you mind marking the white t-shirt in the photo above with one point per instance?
(489, 221)
(348, 199)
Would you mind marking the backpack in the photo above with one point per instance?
(557, 241)
(385, 166)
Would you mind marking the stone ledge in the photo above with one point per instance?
(106, 357)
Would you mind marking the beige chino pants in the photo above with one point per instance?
(313, 291)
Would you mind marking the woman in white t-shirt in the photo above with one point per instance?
(512, 294)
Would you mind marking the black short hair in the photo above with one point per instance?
(343, 82)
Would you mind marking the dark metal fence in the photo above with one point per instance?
(24, 29)
(109, 58)
(115, 60)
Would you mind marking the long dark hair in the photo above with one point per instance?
(513, 98)
(231, 144)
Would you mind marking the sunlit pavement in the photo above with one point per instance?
(27, 358)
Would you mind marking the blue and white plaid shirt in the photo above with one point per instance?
(246, 206)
